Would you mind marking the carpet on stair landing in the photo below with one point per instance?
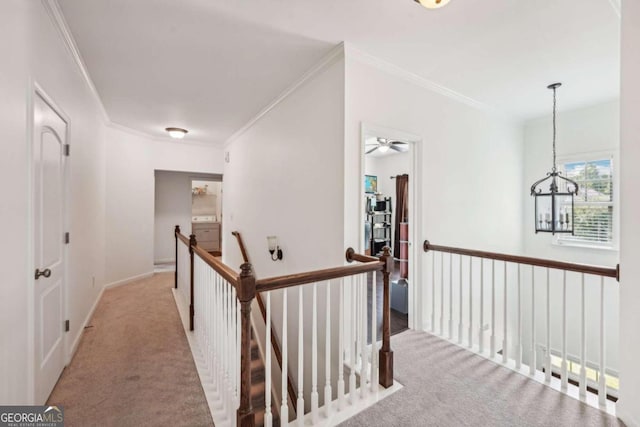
(446, 385)
(133, 366)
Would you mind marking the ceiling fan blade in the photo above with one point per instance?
(400, 148)
(399, 143)
(372, 150)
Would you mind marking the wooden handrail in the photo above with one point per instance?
(537, 262)
(280, 282)
(245, 257)
(182, 237)
(229, 274)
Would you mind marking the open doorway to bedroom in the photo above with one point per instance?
(387, 220)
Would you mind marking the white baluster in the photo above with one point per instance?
(364, 377)
(602, 378)
(300, 403)
(547, 360)
(433, 291)
(519, 324)
(314, 354)
(352, 340)
(505, 341)
(284, 407)
(460, 300)
(492, 343)
(532, 354)
(442, 293)
(374, 335)
(470, 302)
(450, 296)
(327, 355)
(268, 417)
(225, 355)
(238, 353)
(564, 374)
(341, 344)
(583, 342)
(481, 328)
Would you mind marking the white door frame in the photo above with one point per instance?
(416, 318)
(37, 90)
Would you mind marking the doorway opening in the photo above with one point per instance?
(193, 201)
(387, 217)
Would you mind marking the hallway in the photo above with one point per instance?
(133, 366)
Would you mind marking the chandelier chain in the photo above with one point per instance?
(554, 130)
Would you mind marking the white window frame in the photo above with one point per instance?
(589, 157)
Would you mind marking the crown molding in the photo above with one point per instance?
(60, 23)
(396, 71)
(55, 13)
(617, 7)
(329, 59)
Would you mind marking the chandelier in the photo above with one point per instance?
(554, 208)
(432, 4)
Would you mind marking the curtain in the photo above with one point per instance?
(402, 209)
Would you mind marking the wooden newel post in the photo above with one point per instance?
(192, 244)
(386, 355)
(176, 231)
(246, 292)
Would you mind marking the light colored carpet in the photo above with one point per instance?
(133, 366)
(445, 385)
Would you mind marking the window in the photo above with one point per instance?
(593, 375)
(594, 205)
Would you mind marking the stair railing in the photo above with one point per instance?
(220, 306)
(512, 302)
(275, 344)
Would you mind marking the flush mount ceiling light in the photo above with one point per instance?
(432, 4)
(177, 133)
(554, 208)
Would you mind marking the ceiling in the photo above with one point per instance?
(211, 66)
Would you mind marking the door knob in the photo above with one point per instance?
(46, 273)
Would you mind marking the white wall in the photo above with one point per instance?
(131, 162)
(628, 408)
(33, 49)
(469, 164)
(471, 160)
(172, 207)
(285, 178)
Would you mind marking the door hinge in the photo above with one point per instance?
(67, 150)
(66, 326)
(66, 238)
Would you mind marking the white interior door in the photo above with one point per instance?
(49, 138)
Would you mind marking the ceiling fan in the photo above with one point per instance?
(383, 145)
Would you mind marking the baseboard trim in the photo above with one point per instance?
(87, 319)
(128, 280)
(621, 412)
